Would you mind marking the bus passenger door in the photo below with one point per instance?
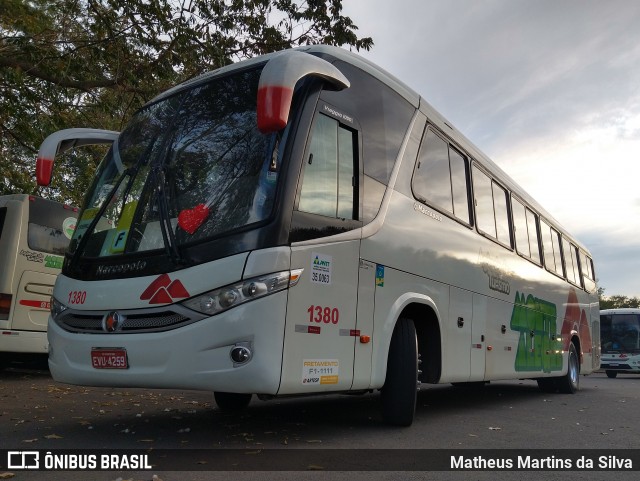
(325, 237)
(321, 317)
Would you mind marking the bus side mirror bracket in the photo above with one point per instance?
(63, 140)
(278, 79)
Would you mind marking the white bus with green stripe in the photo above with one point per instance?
(305, 223)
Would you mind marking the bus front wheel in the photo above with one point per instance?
(231, 401)
(401, 384)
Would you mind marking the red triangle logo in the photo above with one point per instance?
(161, 297)
(177, 291)
(160, 282)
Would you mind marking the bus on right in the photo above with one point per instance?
(620, 341)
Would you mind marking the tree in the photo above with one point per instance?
(92, 63)
(617, 301)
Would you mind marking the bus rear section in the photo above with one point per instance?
(34, 234)
(620, 341)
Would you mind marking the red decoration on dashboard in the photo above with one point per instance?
(190, 219)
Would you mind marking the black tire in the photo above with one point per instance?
(611, 374)
(547, 384)
(570, 382)
(401, 384)
(231, 401)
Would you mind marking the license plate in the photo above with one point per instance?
(111, 358)
(614, 364)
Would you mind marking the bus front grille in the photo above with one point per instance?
(93, 322)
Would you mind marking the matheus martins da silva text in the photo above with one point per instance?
(548, 462)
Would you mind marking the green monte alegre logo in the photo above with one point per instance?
(54, 262)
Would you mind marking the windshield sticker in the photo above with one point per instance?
(68, 226)
(119, 240)
(321, 268)
(320, 371)
(85, 221)
(124, 223)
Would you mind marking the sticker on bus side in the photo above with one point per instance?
(69, 226)
(379, 275)
(321, 268)
(320, 371)
(55, 262)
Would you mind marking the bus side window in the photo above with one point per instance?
(440, 177)
(484, 203)
(588, 274)
(570, 263)
(521, 233)
(329, 186)
(501, 211)
(551, 245)
(534, 236)
(492, 211)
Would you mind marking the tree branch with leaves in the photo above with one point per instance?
(92, 63)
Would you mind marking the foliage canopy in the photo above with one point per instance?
(92, 63)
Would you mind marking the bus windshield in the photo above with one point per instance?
(50, 226)
(189, 167)
(620, 333)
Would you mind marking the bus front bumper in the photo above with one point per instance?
(28, 342)
(195, 356)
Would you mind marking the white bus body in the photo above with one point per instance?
(620, 341)
(34, 234)
(302, 223)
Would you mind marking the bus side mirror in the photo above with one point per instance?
(278, 79)
(63, 140)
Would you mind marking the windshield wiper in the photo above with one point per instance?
(170, 243)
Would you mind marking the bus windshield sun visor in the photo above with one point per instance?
(66, 139)
(279, 78)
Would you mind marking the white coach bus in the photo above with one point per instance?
(34, 234)
(620, 341)
(303, 222)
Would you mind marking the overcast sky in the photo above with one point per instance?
(549, 89)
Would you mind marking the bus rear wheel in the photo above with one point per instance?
(570, 382)
(400, 388)
(231, 401)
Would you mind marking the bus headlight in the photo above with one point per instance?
(219, 300)
(57, 308)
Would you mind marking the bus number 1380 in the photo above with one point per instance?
(325, 315)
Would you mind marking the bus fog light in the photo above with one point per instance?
(241, 354)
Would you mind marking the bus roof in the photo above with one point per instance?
(621, 310)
